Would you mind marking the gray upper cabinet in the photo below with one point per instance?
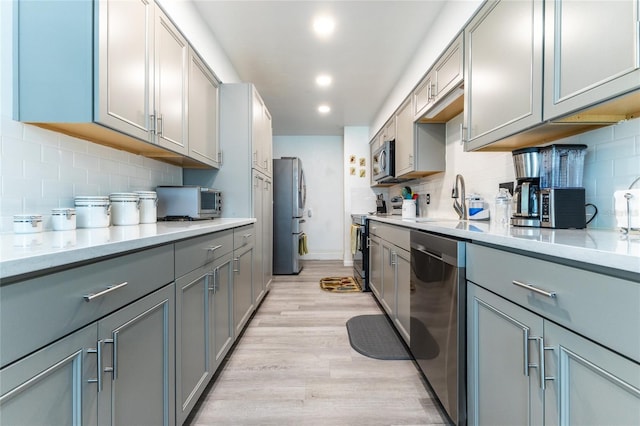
(171, 70)
(438, 97)
(503, 78)
(204, 143)
(261, 136)
(404, 139)
(119, 67)
(592, 53)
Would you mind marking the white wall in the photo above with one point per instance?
(41, 170)
(322, 162)
(359, 198)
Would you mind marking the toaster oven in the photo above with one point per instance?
(188, 202)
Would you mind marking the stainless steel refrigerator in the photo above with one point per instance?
(289, 197)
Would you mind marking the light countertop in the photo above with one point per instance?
(25, 253)
(606, 248)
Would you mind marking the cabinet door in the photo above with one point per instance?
(591, 385)
(222, 327)
(448, 70)
(423, 96)
(403, 286)
(203, 112)
(267, 229)
(54, 386)
(259, 253)
(591, 53)
(242, 283)
(137, 361)
(503, 74)
(171, 79)
(388, 279)
(267, 143)
(404, 140)
(258, 131)
(193, 312)
(502, 374)
(375, 266)
(126, 48)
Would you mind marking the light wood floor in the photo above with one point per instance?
(294, 365)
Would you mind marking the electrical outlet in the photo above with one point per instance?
(507, 185)
(428, 198)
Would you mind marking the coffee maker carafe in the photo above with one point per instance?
(526, 198)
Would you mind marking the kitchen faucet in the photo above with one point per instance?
(458, 192)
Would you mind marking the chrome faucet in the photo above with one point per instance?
(458, 192)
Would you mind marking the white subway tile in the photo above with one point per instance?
(57, 189)
(42, 136)
(39, 170)
(100, 151)
(87, 189)
(11, 128)
(603, 134)
(74, 144)
(627, 166)
(118, 183)
(108, 166)
(627, 129)
(86, 161)
(17, 149)
(614, 149)
(11, 166)
(60, 157)
(74, 175)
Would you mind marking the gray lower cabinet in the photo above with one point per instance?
(243, 258)
(54, 386)
(116, 371)
(390, 272)
(203, 329)
(549, 343)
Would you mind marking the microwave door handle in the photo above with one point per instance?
(383, 160)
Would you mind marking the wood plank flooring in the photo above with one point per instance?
(294, 365)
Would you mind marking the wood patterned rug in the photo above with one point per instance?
(339, 285)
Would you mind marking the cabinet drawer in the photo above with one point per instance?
(244, 236)
(394, 234)
(597, 306)
(195, 252)
(38, 311)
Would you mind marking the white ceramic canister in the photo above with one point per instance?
(63, 219)
(27, 223)
(125, 208)
(409, 209)
(148, 206)
(92, 211)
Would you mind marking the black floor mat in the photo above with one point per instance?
(373, 336)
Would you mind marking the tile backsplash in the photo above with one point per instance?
(41, 170)
(612, 163)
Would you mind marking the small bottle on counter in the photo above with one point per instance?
(503, 207)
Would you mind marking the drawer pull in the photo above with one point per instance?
(551, 294)
(90, 297)
(213, 248)
(248, 235)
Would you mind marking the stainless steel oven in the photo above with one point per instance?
(360, 249)
(438, 320)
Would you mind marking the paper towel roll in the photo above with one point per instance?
(620, 203)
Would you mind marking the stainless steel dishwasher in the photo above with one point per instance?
(438, 319)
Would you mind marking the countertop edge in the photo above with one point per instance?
(110, 241)
(604, 248)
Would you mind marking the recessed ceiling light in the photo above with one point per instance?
(323, 80)
(324, 26)
(324, 109)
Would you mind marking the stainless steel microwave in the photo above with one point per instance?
(384, 162)
(188, 202)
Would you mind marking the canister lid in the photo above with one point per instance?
(64, 211)
(146, 195)
(91, 200)
(124, 196)
(19, 218)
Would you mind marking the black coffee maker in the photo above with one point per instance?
(526, 198)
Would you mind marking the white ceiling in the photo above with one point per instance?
(271, 44)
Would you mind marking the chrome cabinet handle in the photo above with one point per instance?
(236, 264)
(98, 352)
(247, 235)
(213, 274)
(421, 250)
(213, 248)
(153, 123)
(161, 124)
(551, 294)
(111, 288)
(543, 376)
(111, 369)
(525, 340)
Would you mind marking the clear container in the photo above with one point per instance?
(125, 208)
(148, 206)
(63, 219)
(562, 166)
(503, 201)
(27, 223)
(92, 211)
